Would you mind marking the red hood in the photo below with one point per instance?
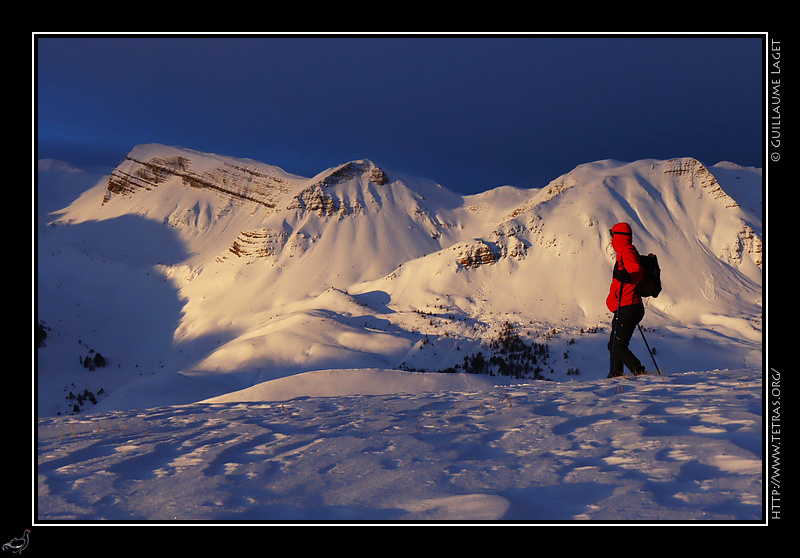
(623, 236)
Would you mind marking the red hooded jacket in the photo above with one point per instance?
(628, 260)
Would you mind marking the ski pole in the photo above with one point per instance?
(614, 329)
(648, 349)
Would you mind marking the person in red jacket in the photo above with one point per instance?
(624, 302)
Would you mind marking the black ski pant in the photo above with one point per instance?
(622, 327)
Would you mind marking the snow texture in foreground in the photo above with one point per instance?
(685, 446)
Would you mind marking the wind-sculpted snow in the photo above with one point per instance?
(660, 448)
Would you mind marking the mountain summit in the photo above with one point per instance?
(228, 272)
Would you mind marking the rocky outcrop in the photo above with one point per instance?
(698, 176)
(147, 167)
(316, 200)
(746, 242)
(262, 243)
(476, 254)
(257, 185)
(353, 169)
(319, 198)
(504, 244)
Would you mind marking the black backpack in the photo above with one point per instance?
(651, 284)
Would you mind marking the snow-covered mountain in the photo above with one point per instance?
(195, 275)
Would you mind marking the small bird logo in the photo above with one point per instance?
(18, 544)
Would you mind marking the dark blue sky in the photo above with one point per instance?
(471, 113)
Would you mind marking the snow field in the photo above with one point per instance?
(673, 448)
